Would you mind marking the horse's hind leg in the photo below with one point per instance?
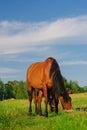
(30, 94)
(35, 101)
(46, 100)
(39, 102)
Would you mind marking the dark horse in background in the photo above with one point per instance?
(45, 77)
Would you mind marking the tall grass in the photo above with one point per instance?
(14, 116)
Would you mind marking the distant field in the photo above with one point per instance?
(14, 116)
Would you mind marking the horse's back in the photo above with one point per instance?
(35, 74)
(32, 67)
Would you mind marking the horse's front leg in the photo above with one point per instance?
(45, 100)
(56, 105)
(52, 105)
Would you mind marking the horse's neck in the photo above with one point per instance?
(47, 67)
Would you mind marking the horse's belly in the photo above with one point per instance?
(36, 84)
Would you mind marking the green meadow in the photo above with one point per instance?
(14, 116)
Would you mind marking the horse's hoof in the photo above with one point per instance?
(36, 112)
(56, 112)
(40, 114)
(29, 114)
(46, 114)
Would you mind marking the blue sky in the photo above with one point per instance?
(32, 30)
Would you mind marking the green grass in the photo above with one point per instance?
(14, 116)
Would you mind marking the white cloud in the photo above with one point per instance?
(18, 37)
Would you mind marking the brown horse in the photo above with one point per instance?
(46, 77)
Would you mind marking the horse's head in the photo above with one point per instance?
(66, 104)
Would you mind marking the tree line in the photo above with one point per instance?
(18, 89)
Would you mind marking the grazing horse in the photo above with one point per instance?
(46, 77)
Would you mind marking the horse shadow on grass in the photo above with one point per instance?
(51, 114)
(81, 109)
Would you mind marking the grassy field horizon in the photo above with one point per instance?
(14, 116)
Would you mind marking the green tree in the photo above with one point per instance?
(21, 90)
(2, 90)
(85, 88)
(66, 83)
(74, 86)
(9, 88)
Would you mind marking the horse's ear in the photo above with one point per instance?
(49, 59)
(61, 97)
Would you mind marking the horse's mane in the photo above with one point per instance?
(58, 83)
(54, 67)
